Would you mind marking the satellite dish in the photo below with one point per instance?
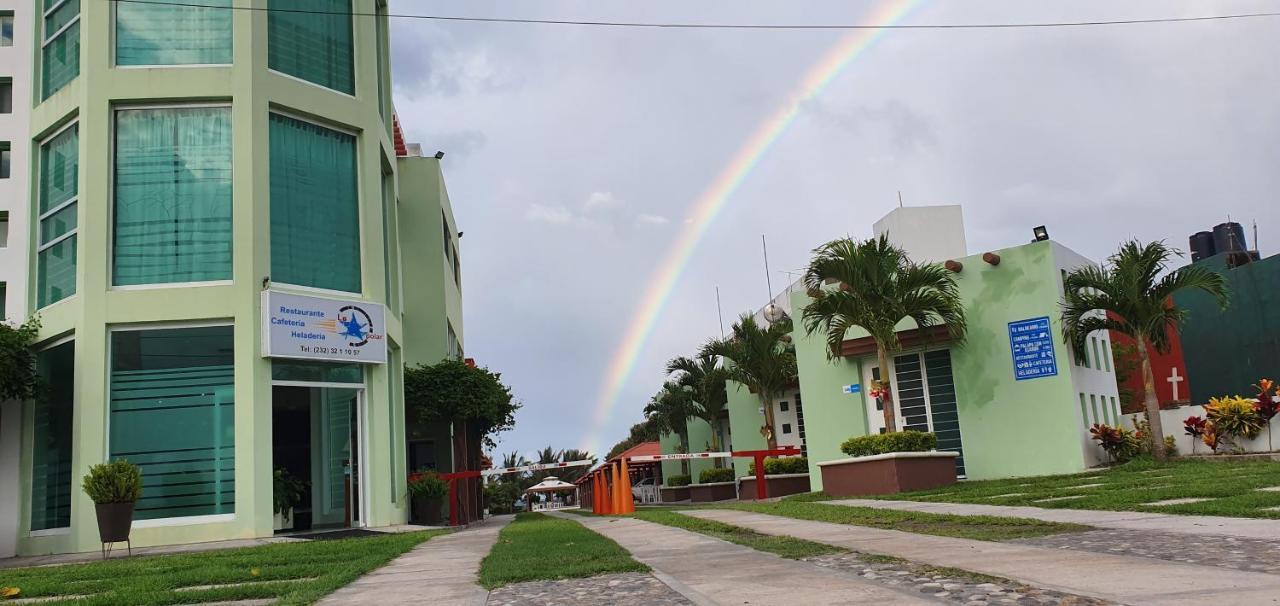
(773, 313)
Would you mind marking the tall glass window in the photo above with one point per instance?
(159, 34)
(56, 240)
(173, 415)
(60, 48)
(172, 195)
(315, 218)
(51, 473)
(314, 44)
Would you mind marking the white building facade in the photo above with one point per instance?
(16, 46)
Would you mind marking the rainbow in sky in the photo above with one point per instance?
(713, 200)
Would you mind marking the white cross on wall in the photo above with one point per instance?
(1173, 380)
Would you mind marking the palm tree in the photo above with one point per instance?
(569, 474)
(670, 410)
(703, 379)
(878, 287)
(762, 358)
(513, 459)
(1128, 295)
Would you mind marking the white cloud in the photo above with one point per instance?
(600, 201)
(555, 215)
(644, 219)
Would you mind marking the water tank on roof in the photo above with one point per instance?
(1228, 238)
(1201, 245)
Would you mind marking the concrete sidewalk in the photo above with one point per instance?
(1124, 579)
(710, 571)
(1245, 528)
(444, 570)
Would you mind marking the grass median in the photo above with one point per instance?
(787, 547)
(291, 573)
(538, 547)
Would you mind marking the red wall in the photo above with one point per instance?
(1162, 364)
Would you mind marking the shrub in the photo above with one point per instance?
(716, 474)
(1234, 417)
(901, 441)
(1121, 444)
(679, 480)
(286, 491)
(428, 485)
(1144, 445)
(118, 482)
(781, 465)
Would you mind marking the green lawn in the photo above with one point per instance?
(1232, 486)
(295, 573)
(983, 528)
(538, 547)
(787, 547)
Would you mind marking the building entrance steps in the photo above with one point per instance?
(443, 570)
(1125, 579)
(1244, 528)
(709, 571)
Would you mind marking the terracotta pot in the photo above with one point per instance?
(428, 512)
(115, 520)
(888, 473)
(713, 491)
(673, 494)
(778, 485)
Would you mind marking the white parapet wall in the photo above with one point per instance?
(1172, 419)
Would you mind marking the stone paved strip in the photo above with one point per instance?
(443, 570)
(710, 571)
(1123, 579)
(626, 589)
(1245, 528)
(969, 590)
(1253, 555)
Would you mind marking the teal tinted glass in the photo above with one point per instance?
(51, 471)
(58, 223)
(314, 44)
(173, 415)
(56, 272)
(172, 195)
(60, 56)
(160, 34)
(316, 372)
(315, 222)
(59, 169)
(58, 18)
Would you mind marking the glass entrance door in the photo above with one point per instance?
(335, 453)
(924, 398)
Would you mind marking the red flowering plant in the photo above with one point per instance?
(1120, 444)
(1195, 427)
(879, 389)
(1267, 405)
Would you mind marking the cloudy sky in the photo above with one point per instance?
(574, 156)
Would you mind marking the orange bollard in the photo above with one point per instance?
(595, 493)
(608, 491)
(620, 485)
(628, 502)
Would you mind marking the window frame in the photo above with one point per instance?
(31, 476)
(116, 65)
(40, 217)
(355, 59)
(111, 196)
(360, 220)
(46, 37)
(106, 424)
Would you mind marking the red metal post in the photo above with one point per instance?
(762, 491)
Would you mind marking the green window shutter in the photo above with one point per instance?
(157, 34)
(314, 44)
(51, 471)
(173, 415)
(60, 54)
(172, 195)
(315, 219)
(56, 245)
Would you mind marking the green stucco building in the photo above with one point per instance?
(219, 203)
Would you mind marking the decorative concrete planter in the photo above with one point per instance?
(888, 473)
(713, 491)
(674, 494)
(777, 485)
(427, 512)
(284, 521)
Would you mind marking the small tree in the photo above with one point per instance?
(18, 378)
(704, 380)
(878, 287)
(1129, 295)
(763, 359)
(670, 409)
(451, 390)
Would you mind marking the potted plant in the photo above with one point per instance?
(887, 463)
(286, 493)
(782, 476)
(427, 491)
(114, 489)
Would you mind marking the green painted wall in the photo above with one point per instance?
(1228, 351)
(427, 278)
(670, 445)
(1008, 427)
(699, 441)
(252, 91)
(745, 421)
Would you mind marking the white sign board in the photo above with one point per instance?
(314, 328)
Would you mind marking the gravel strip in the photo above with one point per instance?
(626, 589)
(1250, 555)
(955, 586)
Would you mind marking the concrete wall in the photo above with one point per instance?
(745, 420)
(1173, 418)
(928, 233)
(427, 277)
(252, 91)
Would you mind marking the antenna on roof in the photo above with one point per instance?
(719, 312)
(899, 198)
(767, 280)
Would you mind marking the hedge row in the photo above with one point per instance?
(901, 441)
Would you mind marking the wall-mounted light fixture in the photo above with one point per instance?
(439, 155)
(1041, 233)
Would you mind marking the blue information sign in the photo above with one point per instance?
(1032, 345)
(855, 388)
